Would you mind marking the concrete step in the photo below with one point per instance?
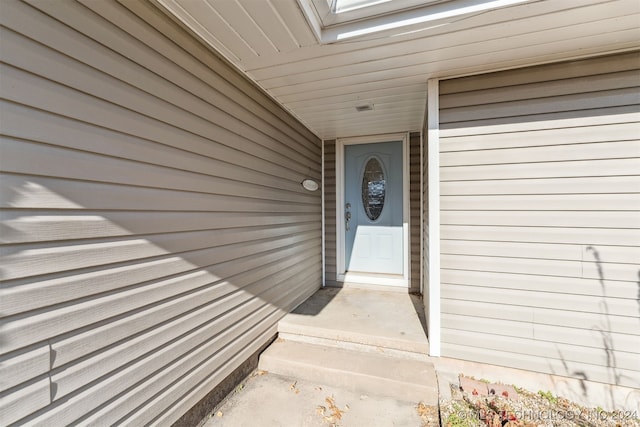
(386, 320)
(349, 343)
(364, 372)
(291, 327)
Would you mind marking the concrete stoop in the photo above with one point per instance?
(369, 342)
(366, 372)
(368, 334)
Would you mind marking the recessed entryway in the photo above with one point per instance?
(372, 210)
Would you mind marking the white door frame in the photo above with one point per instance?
(372, 279)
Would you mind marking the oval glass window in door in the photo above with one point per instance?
(374, 187)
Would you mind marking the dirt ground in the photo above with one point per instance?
(525, 408)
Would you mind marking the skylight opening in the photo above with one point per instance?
(336, 12)
(340, 20)
(342, 6)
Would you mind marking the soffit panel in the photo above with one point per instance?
(453, 45)
(321, 84)
(487, 26)
(347, 107)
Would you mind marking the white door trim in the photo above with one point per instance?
(372, 279)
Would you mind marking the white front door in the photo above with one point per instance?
(373, 209)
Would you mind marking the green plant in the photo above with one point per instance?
(549, 396)
(455, 420)
(460, 417)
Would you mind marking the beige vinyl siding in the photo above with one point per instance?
(540, 218)
(154, 227)
(414, 207)
(330, 251)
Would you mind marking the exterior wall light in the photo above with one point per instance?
(310, 185)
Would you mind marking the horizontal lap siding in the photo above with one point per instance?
(414, 207)
(540, 220)
(154, 228)
(330, 223)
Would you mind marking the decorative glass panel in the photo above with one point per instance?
(373, 189)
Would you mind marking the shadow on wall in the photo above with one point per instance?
(89, 266)
(102, 253)
(604, 330)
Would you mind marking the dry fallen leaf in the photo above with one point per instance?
(422, 409)
(336, 413)
(428, 415)
(293, 387)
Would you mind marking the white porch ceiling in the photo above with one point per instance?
(321, 84)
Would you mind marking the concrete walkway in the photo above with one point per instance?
(345, 357)
(270, 400)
